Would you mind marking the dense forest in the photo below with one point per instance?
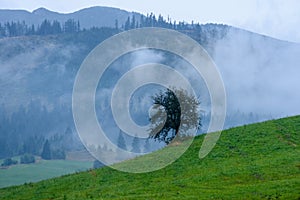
(47, 27)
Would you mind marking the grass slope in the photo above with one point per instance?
(259, 161)
(43, 169)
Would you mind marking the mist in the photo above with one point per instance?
(261, 75)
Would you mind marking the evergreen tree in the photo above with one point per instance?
(45, 28)
(58, 154)
(142, 21)
(56, 27)
(8, 162)
(1, 31)
(132, 25)
(71, 26)
(78, 26)
(46, 153)
(30, 30)
(136, 145)
(147, 147)
(121, 141)
(27, 159)
(116, 24)
(127, 24)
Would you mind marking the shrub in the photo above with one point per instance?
(27, 159)
(8, 162)
(58, 154)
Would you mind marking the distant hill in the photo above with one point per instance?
(259, 161)
(88, 17)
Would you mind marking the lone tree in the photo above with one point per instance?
(181, 118)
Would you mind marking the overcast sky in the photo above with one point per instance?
(276, 18)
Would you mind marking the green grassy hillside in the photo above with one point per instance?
(259, 161)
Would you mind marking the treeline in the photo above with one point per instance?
(152, 21)
(13, 29)
(24, 159)
(47, 27)
(205, 34)
(28, 129)
(133, 144)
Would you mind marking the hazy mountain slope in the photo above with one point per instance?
(37, 75)
(261, 72)
(256, 70)
(259, 161)
(89, 17)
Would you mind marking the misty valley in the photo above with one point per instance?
(41, 53)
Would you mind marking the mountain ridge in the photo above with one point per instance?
(106, 16)
(86, 16)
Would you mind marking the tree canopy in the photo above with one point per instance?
(179, 118)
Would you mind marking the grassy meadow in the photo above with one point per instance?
(258, 161)
(42, 169)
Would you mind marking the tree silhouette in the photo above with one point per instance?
(127, 24)
(186, 115)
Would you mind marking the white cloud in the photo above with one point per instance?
(279, 19)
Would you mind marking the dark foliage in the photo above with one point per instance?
(8, 162)
(27, 159)
(46, 153)
(184, 116)
(58, 154)
(121, 141)
(13, 29)
(136, 145)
